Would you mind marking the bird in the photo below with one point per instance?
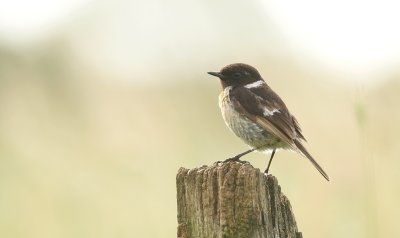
(257, 115)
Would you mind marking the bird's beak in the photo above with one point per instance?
(216, 74)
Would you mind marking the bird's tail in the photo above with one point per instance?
(306, 154)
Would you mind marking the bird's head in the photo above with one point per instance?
(237, 74)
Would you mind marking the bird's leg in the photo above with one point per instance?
(270, 160)
(237, 157)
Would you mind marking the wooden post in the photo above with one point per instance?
(232, 200)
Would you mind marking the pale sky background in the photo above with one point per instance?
(356, 38)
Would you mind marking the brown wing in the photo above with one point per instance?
(298, 129)
(264, 107)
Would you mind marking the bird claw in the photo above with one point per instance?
(233, 159)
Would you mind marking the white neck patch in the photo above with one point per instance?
(255, 84)
(227, 89)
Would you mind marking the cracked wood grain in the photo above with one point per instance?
(232, 200)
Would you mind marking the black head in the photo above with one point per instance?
(237, 75)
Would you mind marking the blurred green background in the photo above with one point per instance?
(101, 102)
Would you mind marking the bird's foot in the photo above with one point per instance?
(266, 172)
(233, 159)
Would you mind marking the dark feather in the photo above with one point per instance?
(303, 150)
(252, 104)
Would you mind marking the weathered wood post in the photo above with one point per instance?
(232, 200)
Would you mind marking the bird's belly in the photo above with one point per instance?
(252, 134)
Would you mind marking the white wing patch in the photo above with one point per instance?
(268, 113)
(255, 84)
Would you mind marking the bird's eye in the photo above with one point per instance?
(237, 75)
